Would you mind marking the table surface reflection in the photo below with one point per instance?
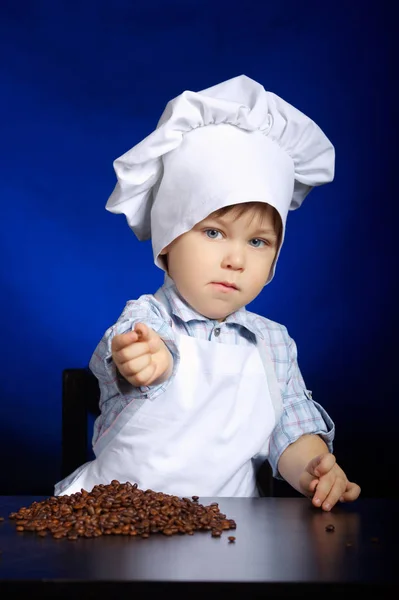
(282, 547)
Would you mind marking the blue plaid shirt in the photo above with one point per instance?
(168, 314)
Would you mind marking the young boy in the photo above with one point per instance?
(197, 392)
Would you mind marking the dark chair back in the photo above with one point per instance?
(80, 400)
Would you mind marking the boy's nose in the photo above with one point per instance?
(234, 259)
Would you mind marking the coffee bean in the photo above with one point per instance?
(231, 538)
(216, 533)
(330, 527)
(120, 509)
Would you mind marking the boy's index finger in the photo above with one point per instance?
(122, 340)
(145, 333)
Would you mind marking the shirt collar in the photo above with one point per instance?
(181, 309)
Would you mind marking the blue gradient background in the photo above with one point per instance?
(81, 83)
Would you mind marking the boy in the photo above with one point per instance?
(196, 392)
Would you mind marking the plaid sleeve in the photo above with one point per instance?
(116, 392)
(301, 414)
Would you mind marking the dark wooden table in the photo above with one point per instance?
(282, 549)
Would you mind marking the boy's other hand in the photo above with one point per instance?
(141, 356)
(325, 481)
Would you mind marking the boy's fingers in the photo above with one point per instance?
(334, 495)
(143, 331)
(133, 367)
(320, 465)
(145, 376)
(131, 352)
(141, 339)
(326, 464)
(351, 493)
(313, 464)
(150, 336)
(123, 340)
(322, 490)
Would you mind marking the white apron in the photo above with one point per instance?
(204, 436)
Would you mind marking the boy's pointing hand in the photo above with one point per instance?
(141, 356)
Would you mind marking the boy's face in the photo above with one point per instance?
(235, 250)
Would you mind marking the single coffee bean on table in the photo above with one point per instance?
(120, 509)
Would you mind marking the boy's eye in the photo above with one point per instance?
(257, 243)
(212, 233)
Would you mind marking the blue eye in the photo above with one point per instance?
(257, 243)
(212, 233)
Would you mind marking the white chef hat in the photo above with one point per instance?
(229, 144)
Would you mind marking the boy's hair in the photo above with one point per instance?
(259, 209)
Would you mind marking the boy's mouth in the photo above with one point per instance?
(227, 285)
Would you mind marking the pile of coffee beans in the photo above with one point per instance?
(120, 509)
